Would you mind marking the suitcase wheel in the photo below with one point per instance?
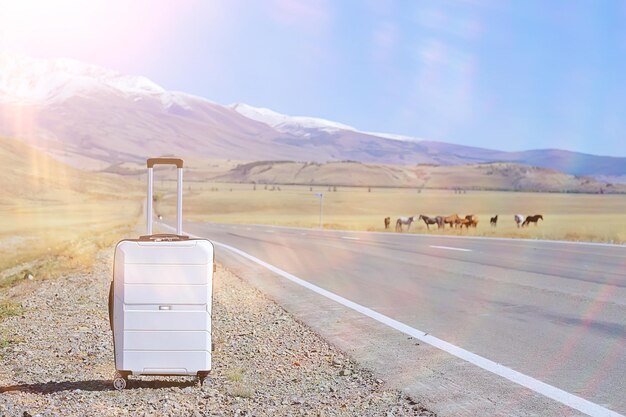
(119, 382)
(203, 378)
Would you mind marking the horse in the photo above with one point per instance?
(387, 222)
(462, 222)
(519, 219)
(438, 220)
(451, 220)
(472, 220)
(494, 221)
(404, 220)
(532, 219)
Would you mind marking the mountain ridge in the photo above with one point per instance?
(94, 117)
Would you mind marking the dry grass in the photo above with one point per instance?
(588, 217)
(235, 375)
(53, 218)
(9, 310)
(240, 390)
(239, 386)
(52, 240)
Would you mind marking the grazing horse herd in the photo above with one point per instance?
(471, 220)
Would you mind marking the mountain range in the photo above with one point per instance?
(93, 118)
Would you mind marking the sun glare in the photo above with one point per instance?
(28, 19)
(91, 31)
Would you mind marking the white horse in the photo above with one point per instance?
(519, 219)
(404, 220)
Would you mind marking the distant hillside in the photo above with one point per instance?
(573, 163)
(30, 174)
(491, 176)
(93, 118)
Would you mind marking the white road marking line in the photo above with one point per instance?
(449, 248)
(350, 238)
(557, 394)
(269, 231)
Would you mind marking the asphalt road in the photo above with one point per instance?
(550, 310)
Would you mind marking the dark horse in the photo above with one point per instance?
(532, 219)
(431, 220)
(387, 221)
(494, 221)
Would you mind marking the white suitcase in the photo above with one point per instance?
(160, 300)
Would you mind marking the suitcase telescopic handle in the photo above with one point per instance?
(179, 191)
(165, 161)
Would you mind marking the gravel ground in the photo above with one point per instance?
(56, 359)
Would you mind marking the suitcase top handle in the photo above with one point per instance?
(165, 161)
(163, 237)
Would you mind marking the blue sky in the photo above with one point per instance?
(510, 75)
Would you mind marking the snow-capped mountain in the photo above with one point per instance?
(24, 80)
(93, 117)
(289, 124)
(305, 126)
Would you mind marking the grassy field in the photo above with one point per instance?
(585, 217)
(48, 240)
(54, 219)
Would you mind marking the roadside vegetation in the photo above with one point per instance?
(54, 219)
(43, 242)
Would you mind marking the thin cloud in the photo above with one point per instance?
(440, 21)
(313, 16)
(441, 94)
(385, 39)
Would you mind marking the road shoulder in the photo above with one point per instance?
(58, 360)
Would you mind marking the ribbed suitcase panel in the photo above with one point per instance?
(166, 274)
(167, 362)
(166, 294)
(170, 253)
(167, 320)
(167, 340)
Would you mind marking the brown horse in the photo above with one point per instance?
(387, 222)
(451, 220)
(462, 222)
(473, 220)
(494, 221)
(532, 219)
(431, 220)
